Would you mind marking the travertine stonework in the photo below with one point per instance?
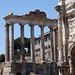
(71, 25)
(66, 42)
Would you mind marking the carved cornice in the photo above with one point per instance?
(27, 18)
(70, 7)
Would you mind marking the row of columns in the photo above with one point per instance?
(53, 41)
(32, 44)
(60, 42)
(7, 43)
(11, 56)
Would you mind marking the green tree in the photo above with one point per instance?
(17, 49)
(2, 58)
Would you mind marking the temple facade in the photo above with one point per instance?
(65, 24)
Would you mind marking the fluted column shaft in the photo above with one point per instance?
(51, 43)
(11, 42)
(22, 44)
(42, 45)
(32, 44)
(55, 44)
(6, 43)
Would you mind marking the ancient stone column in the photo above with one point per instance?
(65, 40)
(32, 44)
(6, 43)
(65, 33)
(42, 45)
(22, 56)
(11, 42)
(60, 40)
(51, 44)
(55, 44)
(60, 14)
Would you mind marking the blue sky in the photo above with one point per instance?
(20, 7)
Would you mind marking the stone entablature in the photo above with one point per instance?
(69, 5)
(66, 2)
(31, 18)
(11, 19)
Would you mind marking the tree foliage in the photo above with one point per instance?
(17, 47)
(2, 58)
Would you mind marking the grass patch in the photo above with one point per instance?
(17, 61)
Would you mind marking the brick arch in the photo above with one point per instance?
(72, 60)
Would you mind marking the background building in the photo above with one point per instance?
(47, 46)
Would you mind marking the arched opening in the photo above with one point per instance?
(72, 61)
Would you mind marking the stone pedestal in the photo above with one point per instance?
(9, 68)
(64, 70)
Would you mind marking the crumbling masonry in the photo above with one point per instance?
(66, 42)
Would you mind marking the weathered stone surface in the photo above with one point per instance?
(30, 69)
(36, 18)
(36, 14)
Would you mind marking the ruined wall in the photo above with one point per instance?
(30, 69)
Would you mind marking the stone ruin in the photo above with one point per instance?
(65, 25)
(10, 67)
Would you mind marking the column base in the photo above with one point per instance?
(8, 68)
